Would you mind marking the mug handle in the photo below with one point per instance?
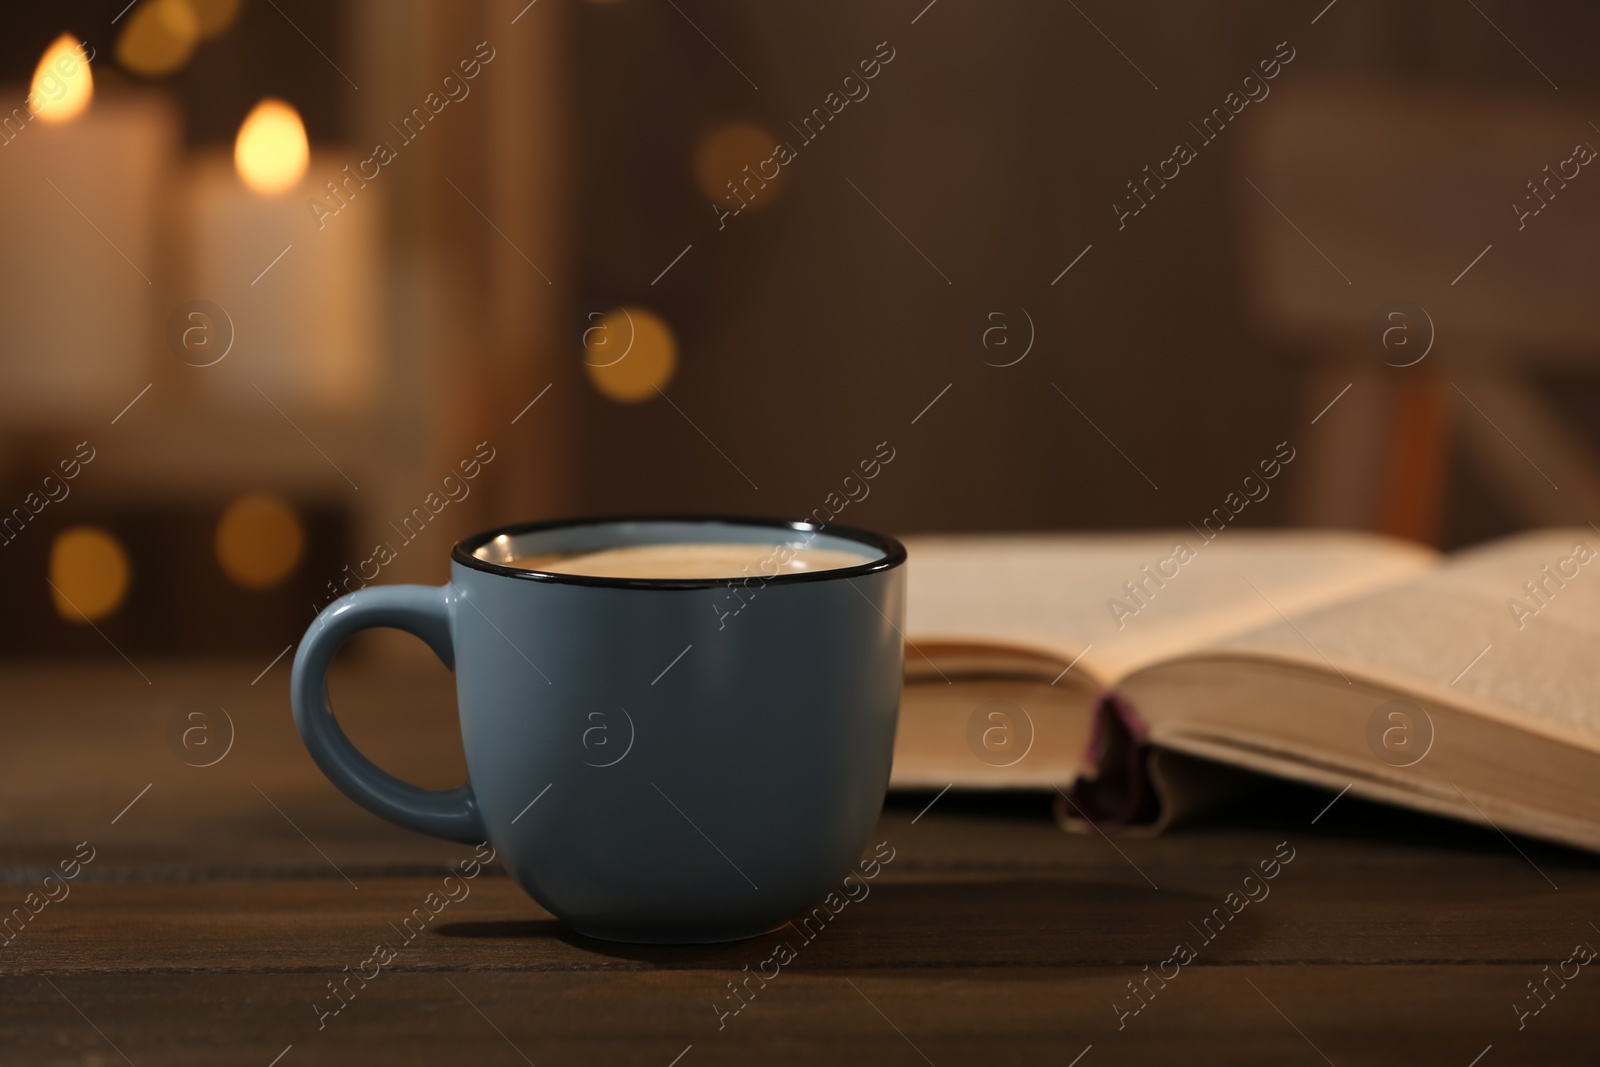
(423, 611)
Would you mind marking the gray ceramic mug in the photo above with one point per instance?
(653, 759)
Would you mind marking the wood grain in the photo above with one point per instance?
(221, 904)
(1221, 1015)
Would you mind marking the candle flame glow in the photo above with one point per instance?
(62, 85)
(271, 152)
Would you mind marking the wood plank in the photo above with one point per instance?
(208, 924)
(1312, 912)
(82, 744)
(1208, 1015)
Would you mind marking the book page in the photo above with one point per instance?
(1511, 629)
(1038, 736)
(1132, 599)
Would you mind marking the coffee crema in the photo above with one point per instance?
(692, 560)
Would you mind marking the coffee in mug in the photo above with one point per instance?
(692, 560)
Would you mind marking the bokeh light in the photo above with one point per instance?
(271, 151)
(159, 37)
(89, 573)
(215, 16)
(722, 155)
(62, 83)
(629, 353)
(259, 540)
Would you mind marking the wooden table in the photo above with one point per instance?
(222, 900)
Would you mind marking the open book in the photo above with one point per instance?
(1098, 665)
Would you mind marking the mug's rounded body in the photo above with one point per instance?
(670, 759)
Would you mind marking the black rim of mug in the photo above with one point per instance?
(894, 553)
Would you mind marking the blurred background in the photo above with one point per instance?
(294, 294)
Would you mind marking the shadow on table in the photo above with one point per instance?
(988, 922)
(1273, 805)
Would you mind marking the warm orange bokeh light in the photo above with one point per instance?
(629, 353)
(62, 85)
(159, 37)
(259, 540)
(214, 16)
(88, 573)
(735, 152)
(271, 151)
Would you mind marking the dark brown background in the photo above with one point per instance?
(810, 330)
